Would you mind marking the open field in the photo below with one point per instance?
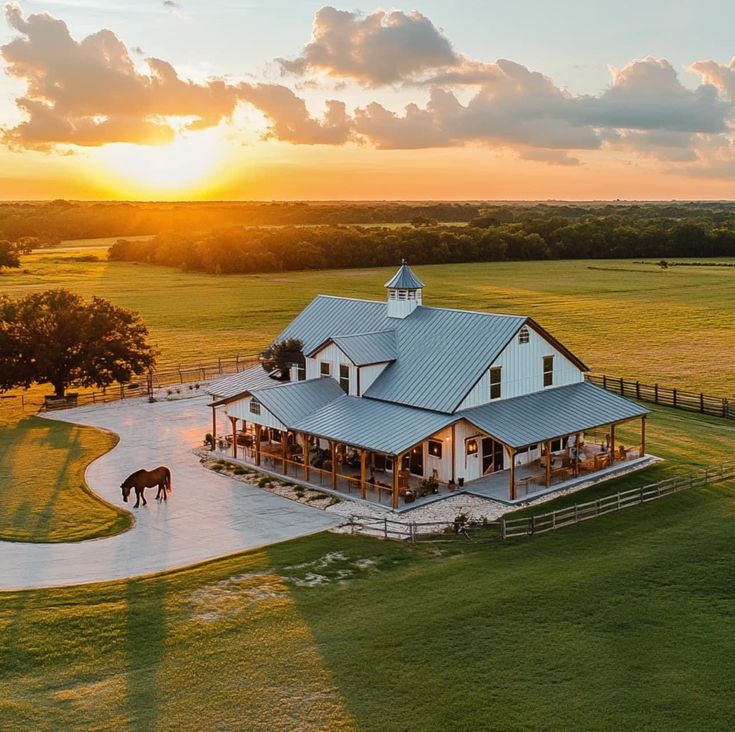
(622, 623)
(675, 327)
(43, 496)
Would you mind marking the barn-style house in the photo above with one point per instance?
(398, 403)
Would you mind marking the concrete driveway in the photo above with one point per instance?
(207, 515)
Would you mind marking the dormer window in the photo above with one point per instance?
(344, 377)
(325, 368)
(548, 370)
(301, 371)
(523, 335)
(495, 382)
(254, 406)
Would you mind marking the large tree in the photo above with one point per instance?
(8, 255)
(56, 337)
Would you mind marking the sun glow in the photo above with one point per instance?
(183, 167)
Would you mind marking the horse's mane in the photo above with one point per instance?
(132, 475)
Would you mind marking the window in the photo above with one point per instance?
(548, 370)
(325, 368)
(523, 335)
(556, 445)
(495, 382)
(344, 377)
(471, 447)
(254, 406)
(275, 435)
(301, 371)
(435, 448)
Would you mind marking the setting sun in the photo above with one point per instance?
(183, 167)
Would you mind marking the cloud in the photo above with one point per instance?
(290, 119)
(376, 49)
(718, 75)
(89, 92)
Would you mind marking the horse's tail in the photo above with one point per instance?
(168, 480)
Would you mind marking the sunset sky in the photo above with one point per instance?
(268, 99)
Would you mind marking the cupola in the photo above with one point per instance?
(404, 292)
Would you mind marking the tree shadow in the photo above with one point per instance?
(145, 646)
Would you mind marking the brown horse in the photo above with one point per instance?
(142, 479)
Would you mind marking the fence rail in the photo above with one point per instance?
(667, 396)
(184, 377)
(540, 523)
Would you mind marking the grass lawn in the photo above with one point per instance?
(626, 622)
(43, 496)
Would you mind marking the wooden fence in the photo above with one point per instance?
(667, 396)
(502, 529)
(182, 378)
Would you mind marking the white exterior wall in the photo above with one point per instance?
(368, 374)
(241, 410)
(522, 371)
(335, 356)
(400, 308)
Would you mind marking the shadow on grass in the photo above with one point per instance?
(145, 643)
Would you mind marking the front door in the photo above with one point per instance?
(416, 460)
(492, 456)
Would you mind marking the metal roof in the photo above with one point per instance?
(292, 402)
(379, 426)
(544, 415)
(326, 316)
(366, 348)
(254, 377)
(441, 355)
(404, 279)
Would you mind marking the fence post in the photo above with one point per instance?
(503, 530)
(622, 387)
(724, 408)
(655, 393)
(604, 381)
(701, 402)
(673, 396)
(637, 389)
(385, 528)
(122, 391)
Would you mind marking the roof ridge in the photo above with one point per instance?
(352, 299)
(472, 312)
(364, 333)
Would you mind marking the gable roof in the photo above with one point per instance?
(545, 415)
(442, 353)
(364, 349)
(294, 401)
(326, 316)
(404, 279)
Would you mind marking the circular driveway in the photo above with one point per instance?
(207, 515)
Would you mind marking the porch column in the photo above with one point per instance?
(548, 463)
(333, 450)
(284, 451)
(612, 444)
(576, 455)
(512, 486)
(233, 420)
(397, 462)
(643, 435)
(363, 472)
(454, 453)
(257, 444)
(306, 454)
(214, 427)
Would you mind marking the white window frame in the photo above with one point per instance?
(322, 364)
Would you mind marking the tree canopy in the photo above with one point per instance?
(9, 255)
(56, 337)
(278, 359)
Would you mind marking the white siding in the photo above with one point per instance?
(241, 410)
(368, 374)
(522, 371)
(442, 465)
(335, 356)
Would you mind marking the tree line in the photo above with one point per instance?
(487, 238)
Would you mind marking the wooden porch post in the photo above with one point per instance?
(397, 463)
(233, 420)
(454, 453)
(306, 454)
(512, 487)
(333, 450)
(363, 472)
(643, 435)
(257, 444)
(214, 427)
(284, 451)
(548, 463)
(612, 444)
(576, 455)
